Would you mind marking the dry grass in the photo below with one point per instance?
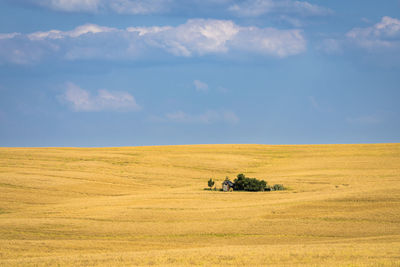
(147, 206)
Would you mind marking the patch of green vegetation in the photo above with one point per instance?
(278, 187)
(243, 183)
(3, 211)
(14, 186)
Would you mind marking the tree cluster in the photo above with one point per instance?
(243, 183)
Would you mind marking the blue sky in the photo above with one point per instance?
(166, 72)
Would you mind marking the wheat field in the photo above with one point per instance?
(147, 206)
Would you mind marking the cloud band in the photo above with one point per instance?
(195, 38)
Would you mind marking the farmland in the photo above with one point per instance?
(147, 206)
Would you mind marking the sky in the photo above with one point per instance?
(97, 73)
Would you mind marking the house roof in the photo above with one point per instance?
(228, 183)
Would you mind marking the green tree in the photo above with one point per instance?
(278, 187)
(243, 183)
(211, 183)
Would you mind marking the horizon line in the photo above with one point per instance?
(250, 144)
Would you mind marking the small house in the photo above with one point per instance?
(227, 186)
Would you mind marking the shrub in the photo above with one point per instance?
(278, 187)
(243, 183)
(211, 183)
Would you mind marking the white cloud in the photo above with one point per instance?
(134, 7)
(384, 34)
(4, 36)
(200, 86)
(306, 9)
(207, 117)
(197, 37)
(139, 7)
(78, 31)
(82, 100)
(270, 41)
(378, 39)
(247, 8)
(255, 8)
(148, 30)
(70, 5)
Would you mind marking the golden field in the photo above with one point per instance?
(146, 206)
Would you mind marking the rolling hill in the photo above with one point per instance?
(147, 206)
